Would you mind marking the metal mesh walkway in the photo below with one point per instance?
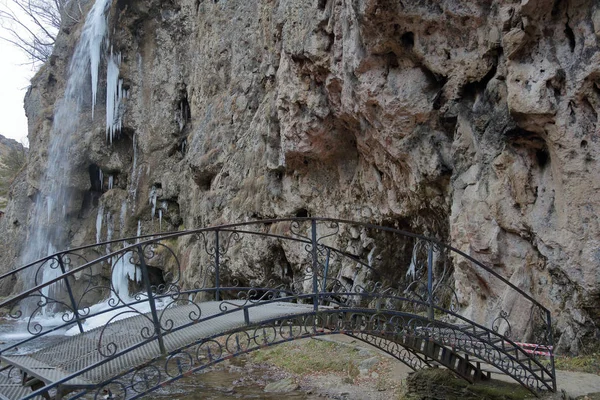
(79, 352)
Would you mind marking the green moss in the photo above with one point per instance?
(444, 381)
(589, 363)
(310, 356)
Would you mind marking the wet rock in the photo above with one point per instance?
(368, 363)
(283, 386)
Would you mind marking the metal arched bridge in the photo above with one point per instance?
(195, 298)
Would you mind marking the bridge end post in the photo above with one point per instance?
(217, 268)
(151, 301)
(61, 263)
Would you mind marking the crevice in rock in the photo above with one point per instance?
(556, 8)
(542, 157)
(449, 126)
(95, 181)
(301, 213)
(570, 35)
(590, 110)
(93, 194)
(471, 89)
(321, 4)
(557, 83)
(392, 60)
(408, 40)
(436, 81)
(183, 114)
(203, 180)
(532, 142)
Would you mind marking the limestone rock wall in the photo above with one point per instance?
(472, 121)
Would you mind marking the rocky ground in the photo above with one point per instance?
(339, 367)
(371, 374)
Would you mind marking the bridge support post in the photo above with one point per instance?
(217, 268)
(551, 340)
(315, 263)
(430, 312)
(324, 283)
(151, 301)
(61, 263)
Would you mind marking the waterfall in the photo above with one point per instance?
(46, 224)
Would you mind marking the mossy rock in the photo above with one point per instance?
(442, 384)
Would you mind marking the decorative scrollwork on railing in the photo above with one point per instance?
(332, 229)
(254, 296)
(296, 230)
(502, 323)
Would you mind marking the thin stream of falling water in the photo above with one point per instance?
(46, 223)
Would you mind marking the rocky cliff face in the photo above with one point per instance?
(12, 158)
(473, 121)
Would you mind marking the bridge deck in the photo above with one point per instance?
(76, 353)
(12, 390)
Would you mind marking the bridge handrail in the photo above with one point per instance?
(384, 312)
(312, 247)
(225, 227)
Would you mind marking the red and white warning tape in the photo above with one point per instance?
(536, 349)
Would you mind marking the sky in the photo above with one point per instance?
(14, 80)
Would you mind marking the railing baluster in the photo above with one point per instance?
(324, 284)
(551, 347)
(151, 301)
(324, 288)
(217, 267)
(430, 281)
(315, 263)
(70, 292)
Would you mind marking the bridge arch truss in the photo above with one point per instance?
(191, 307)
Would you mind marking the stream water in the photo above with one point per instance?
(238, 380)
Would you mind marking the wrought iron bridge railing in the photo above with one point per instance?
(142, 312)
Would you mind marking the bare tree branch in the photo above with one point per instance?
(32, 25)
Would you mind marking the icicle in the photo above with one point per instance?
(122, 272)
(99, 223)
(94, 32)
(114, 95)
(111, 181)
(152, 200)
(139, 229)
(160, 212)
(180, 117)
(412, 268)
(123, 217)
(134, 171)
(101, 175)
(110, 227)
(49, 204)
(370, 256)
(183, 143)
